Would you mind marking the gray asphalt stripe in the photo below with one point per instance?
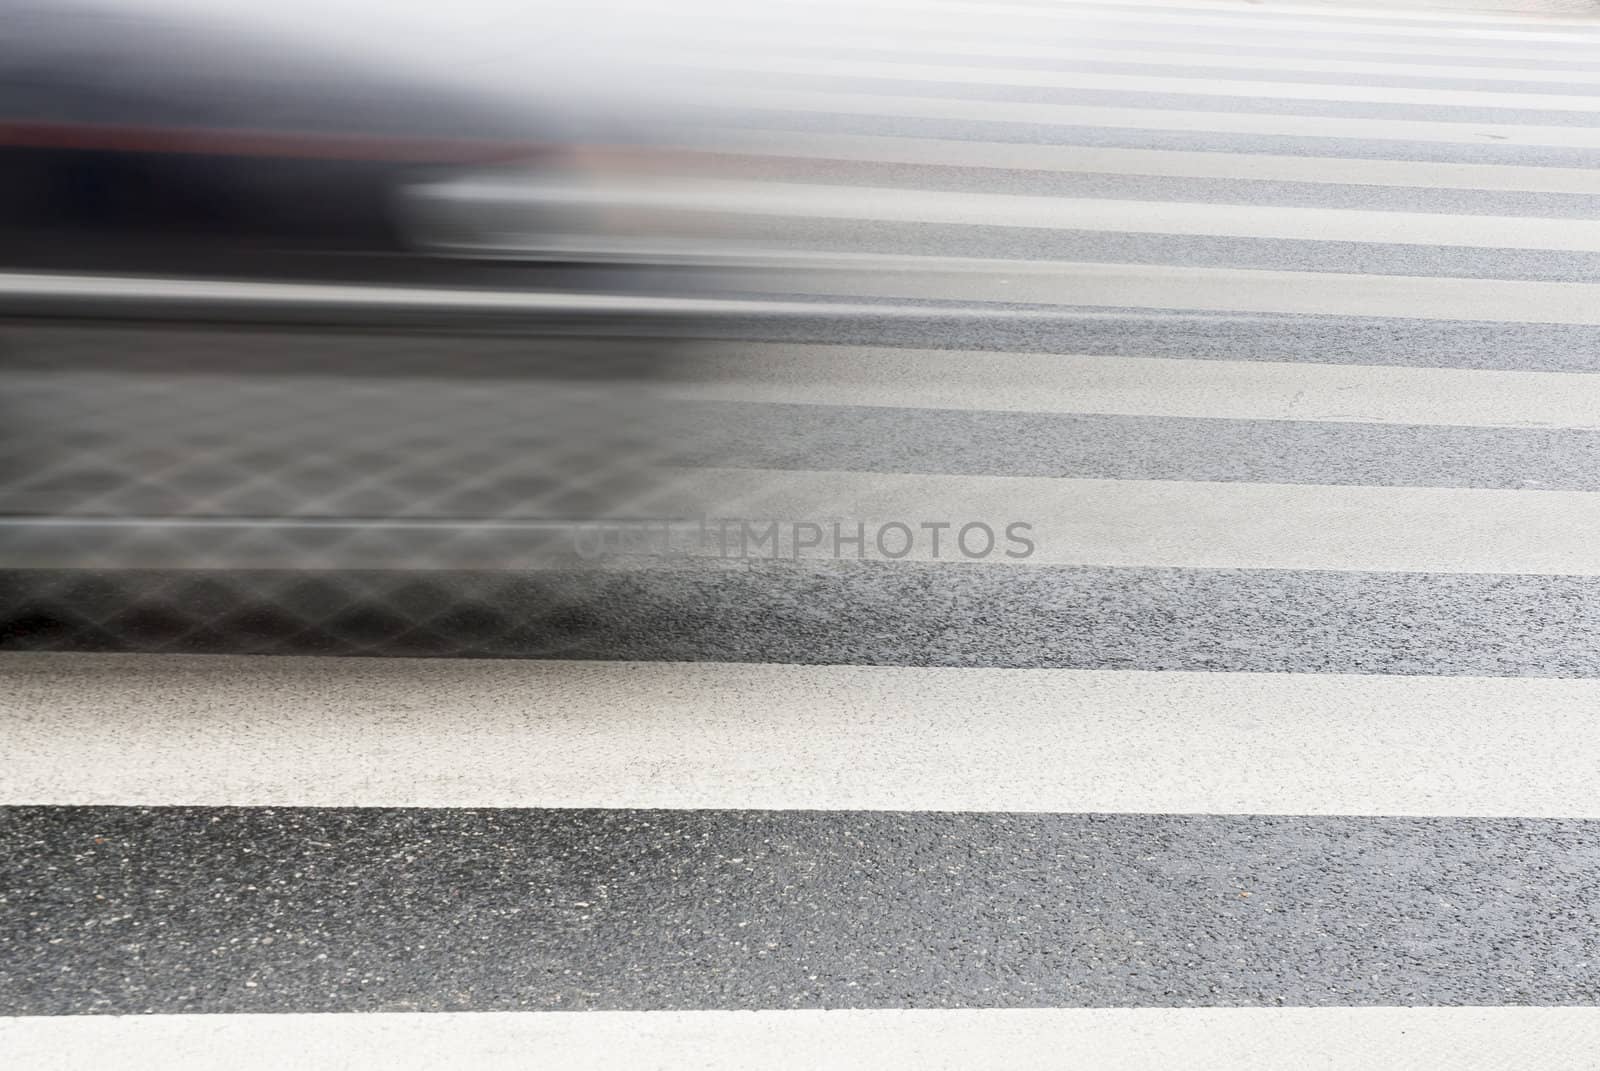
(1182, 84)
(1067, 134)
(1187, 250)
(997, 176)
(1523, 123)
(1269, 337)
(849, 613)
(1274, 338)
(867, 439)
(1047, 283)
(1458, 129)
(1003, 159)
(122, 910)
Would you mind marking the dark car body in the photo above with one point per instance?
(132, 138)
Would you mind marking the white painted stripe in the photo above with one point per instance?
(1102, 1039)
(1135, 386)
(939, 37)
(1319, 126)
(1029, 17)
(1425, 48)
(207, 731)
(896, 205)
(1024, 20)
(1142, 286)
(1012, 156)
(1004, 520)
(819, 25)
(1079, 52)
(1168, 523)
(1531, 13)
(1141, 83)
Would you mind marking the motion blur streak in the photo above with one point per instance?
(393, 287)
(372, 407)
(551, 201)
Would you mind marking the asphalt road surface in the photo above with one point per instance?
(1277, 326)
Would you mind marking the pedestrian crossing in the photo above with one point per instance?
(1277, 323)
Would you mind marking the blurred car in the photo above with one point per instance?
(240, 440)
(135, 139)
